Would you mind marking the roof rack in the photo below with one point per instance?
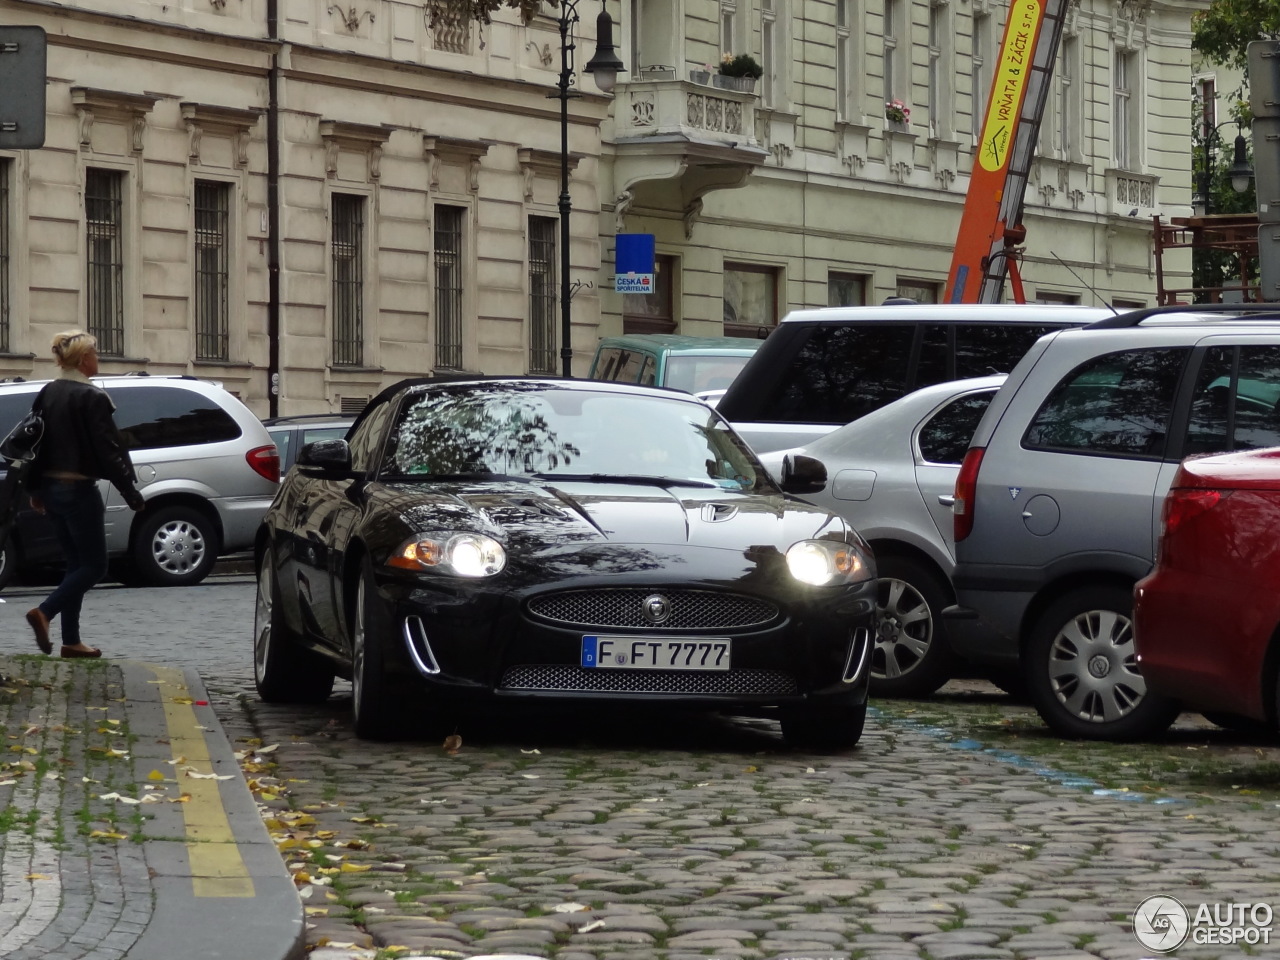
(1133, 318)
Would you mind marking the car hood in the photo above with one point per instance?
(559, 513)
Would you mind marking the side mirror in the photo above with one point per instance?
(801, 474)
(330, 456)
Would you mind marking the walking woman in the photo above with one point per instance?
(81, 445)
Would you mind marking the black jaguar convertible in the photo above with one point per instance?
(543, 539)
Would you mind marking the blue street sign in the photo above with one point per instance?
(634, 263)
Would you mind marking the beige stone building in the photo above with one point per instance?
(308, 200)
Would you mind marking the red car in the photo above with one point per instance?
(1207, 618)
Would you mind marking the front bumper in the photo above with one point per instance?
(472, 645)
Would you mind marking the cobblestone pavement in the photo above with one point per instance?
(709, 838)
(613, 837)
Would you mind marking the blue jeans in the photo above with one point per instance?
(76, 509)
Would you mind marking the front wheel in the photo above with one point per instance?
(375, 711)
(282, 670)
(825, 727)
(1082, 671)
(175, 547)
(912, 657)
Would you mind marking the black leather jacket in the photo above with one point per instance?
(81, 437)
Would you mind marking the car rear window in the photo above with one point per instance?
(151, 417)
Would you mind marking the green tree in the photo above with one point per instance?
(1223, 32)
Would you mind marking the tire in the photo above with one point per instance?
(912, 655)
(1081, 670)
(8, 562)
(825, 727)
(373, 702)
(282, 670)
(174, 547)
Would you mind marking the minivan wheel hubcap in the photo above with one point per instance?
(1093, 668)
(178, 547)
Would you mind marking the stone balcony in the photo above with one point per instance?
(700, 136)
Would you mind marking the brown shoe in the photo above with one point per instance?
(40, 625)
(70, 653)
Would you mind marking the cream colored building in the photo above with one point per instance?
(329, 197)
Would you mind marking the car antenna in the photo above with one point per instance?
(1085, 283)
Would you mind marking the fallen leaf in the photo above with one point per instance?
(530, 776)
(452, 743)
(593, 925)
(155, 775)
(181, 700)
(107, 835)
(207, 776)
(36, 876)
(535, 751)
(570, 907)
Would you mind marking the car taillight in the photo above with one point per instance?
(966, 492)
(265, 462)
(1183, 504)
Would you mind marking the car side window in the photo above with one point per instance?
(843, 372)
(155, 417)
(367, 440)
(946, 435)
(1118, 404)
(1238, 411)
(13, 407)
(607, 364)
(987, 348)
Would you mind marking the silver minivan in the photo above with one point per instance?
(1058, 502)
(206, 466)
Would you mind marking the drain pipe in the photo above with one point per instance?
(273, 213)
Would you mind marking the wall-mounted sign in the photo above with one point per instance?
(634, 263)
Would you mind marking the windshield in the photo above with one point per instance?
(556, 432)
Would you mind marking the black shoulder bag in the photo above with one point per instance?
(23, 442)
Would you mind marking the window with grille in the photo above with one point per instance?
(212, 257)
(104, 274)
(542, 294)
(348, 279)
(6, 170)
(448, 261)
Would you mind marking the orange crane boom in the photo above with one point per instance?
(991, 225)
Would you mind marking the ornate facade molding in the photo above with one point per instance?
(542, 163)
(440, 150)
(231, 121)
(129, 108)
(364, 138)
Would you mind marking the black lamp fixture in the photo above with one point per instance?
(1240, 173)
(604, 66)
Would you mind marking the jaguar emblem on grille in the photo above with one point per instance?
(657, 608)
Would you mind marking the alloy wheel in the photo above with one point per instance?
(262, 618)
(904, 629)
(358, 639)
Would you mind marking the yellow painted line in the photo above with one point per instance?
(217, 869)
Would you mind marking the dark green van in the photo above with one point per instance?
(703, 366)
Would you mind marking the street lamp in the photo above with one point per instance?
(1240, 172)
(605, 67)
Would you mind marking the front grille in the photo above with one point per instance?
(690, 609)
(567, 679)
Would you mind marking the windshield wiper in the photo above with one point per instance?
(638, 478)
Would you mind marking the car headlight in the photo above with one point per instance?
(827, 562)
(462, 554)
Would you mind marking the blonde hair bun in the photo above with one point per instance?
(70, 346)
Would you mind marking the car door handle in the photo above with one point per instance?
(946, 499)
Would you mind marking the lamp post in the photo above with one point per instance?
(1240, 172)
(605, 67)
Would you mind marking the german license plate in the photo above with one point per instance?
(656, 653)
